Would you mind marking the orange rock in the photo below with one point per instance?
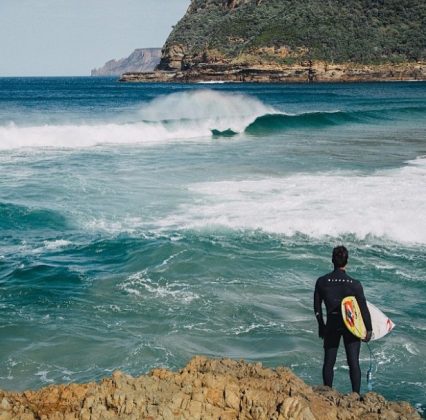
(206, 388)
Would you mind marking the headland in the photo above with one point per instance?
(294, 41)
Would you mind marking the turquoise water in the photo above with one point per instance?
(144, 224)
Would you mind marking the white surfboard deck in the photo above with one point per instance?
(382, 325)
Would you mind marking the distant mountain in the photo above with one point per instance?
(141, 60)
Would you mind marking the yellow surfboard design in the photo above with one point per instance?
(352, 318)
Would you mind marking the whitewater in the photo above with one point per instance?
(144, 224)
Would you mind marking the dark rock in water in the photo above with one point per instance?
(224, 133)
(141, 60)
(204, 389)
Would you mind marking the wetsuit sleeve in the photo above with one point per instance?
(362, 302)
(318, 305)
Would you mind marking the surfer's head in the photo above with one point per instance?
(340, 256)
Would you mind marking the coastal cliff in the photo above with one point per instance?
(296, 73)
(204, 389)
(289, 40)
(141, 60)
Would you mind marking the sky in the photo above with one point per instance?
(71, 37)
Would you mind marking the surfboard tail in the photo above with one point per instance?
(390, 325)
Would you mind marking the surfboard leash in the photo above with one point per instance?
(370, 368)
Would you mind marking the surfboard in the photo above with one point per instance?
(351, 313)
(352, 317)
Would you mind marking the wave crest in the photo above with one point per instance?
(274, 122)
(183, 115)
(279, 122)
(16, 217)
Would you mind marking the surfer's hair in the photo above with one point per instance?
(340, 256)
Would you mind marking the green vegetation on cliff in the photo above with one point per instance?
(361, 31)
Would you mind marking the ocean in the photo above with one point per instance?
(143, 224)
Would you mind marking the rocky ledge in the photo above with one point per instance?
(295, 73)
(204, 389)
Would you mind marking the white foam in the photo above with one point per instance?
(419, 406)
(186, 115)
(266, 325)
(79, 136)
(411, 348)
(387, 203)
(139, 284)
(128, 225)
(212, 82)
(56, 244)
(43, 376)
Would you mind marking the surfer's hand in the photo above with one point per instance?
(368, 337)
(321, 331)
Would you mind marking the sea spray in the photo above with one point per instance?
(206, 105)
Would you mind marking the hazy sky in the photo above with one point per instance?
(70, 37)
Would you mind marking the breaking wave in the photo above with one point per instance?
(387, 204)
(185, 116)
(279, 122)
(274, 122)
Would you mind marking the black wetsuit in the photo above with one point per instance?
(331, 289)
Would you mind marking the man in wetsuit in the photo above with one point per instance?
(331, 289)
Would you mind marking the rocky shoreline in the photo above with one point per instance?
(300, 73)
(204, 389)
